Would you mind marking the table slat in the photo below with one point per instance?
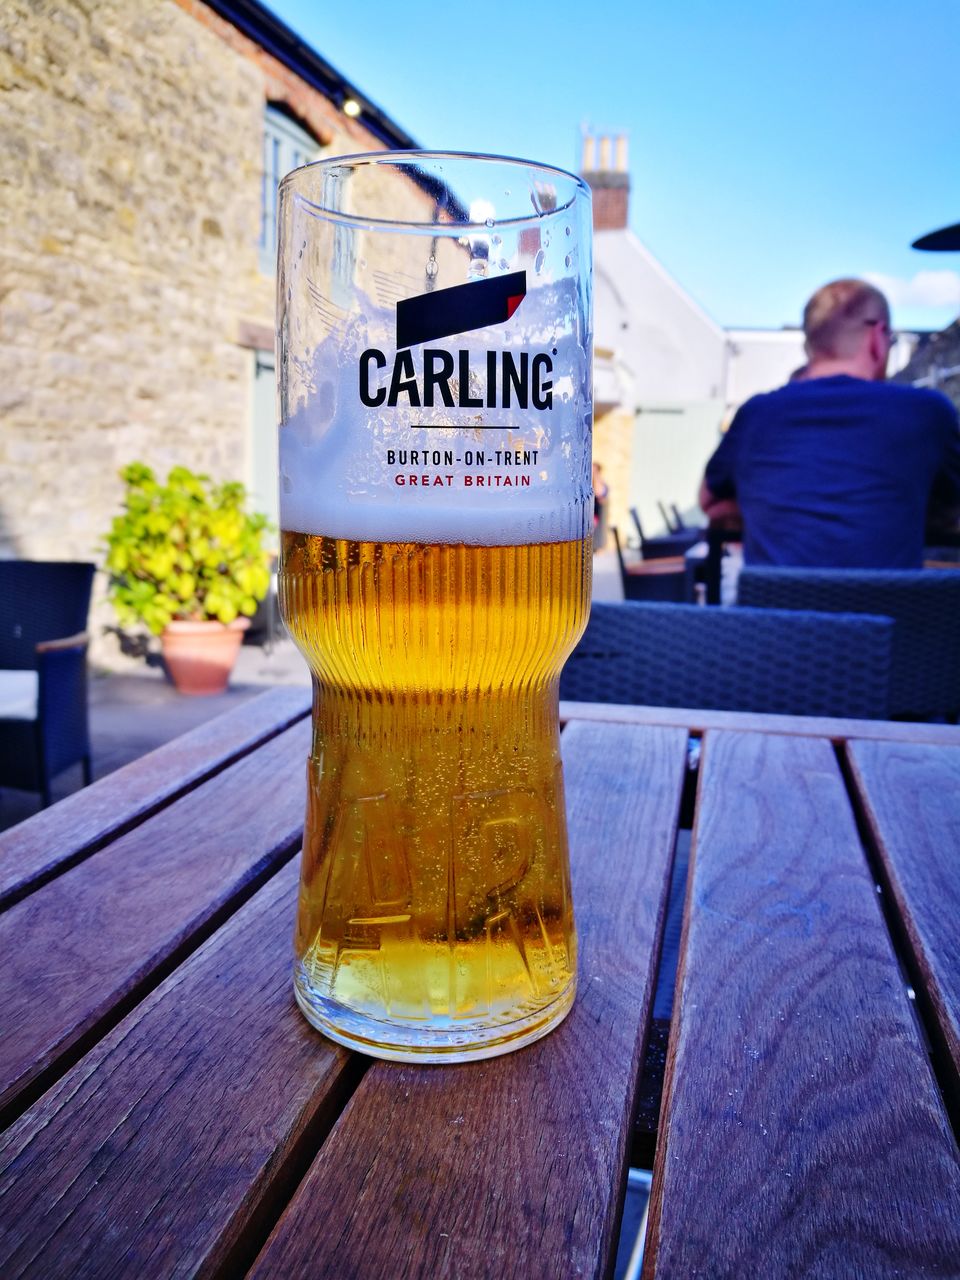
(802, 1130)
(699, 721)
(169, 1149)
(911, 800)
(58, 837)
(79, 950)
(516, 1164)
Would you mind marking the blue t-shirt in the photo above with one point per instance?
(838, 472)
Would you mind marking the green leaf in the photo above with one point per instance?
(184, 547)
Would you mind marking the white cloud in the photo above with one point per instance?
(926, 289)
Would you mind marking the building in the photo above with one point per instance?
(935, 362)
(668, 377)
(141, 146)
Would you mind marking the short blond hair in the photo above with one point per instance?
(834, 317)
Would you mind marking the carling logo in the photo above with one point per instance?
(462, 379)
(441, 314)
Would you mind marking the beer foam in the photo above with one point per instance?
(484, 476)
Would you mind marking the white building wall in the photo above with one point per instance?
(671, 445)
(673, 349)
(760, 360)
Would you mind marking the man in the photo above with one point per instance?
(839, 469)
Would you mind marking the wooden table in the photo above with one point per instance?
(170, 1113)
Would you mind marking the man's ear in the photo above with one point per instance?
(878, 348)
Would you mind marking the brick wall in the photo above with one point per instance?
(611, 199)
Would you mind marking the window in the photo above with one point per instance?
(286, 146)
(262, 472)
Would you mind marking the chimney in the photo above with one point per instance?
(604, 167)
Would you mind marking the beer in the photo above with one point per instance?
(434, 892)
(434, 334)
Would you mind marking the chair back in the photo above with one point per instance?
(620, 560)
(679, 524)
(925, 607)
(668, 522)
(40, 600)
(672, 543)
(739, 659)
(662, 578)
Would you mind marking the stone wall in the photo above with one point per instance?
(130, 172)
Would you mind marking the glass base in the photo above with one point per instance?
(430, 1043)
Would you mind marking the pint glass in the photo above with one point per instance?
(436, 515)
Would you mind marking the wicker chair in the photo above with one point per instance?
(762, 660)
(43, 672)
(658, 579)
(925, 607)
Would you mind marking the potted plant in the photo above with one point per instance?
(188, 562)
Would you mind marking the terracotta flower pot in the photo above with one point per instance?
(200, 655)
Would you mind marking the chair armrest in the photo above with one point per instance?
(79, 641)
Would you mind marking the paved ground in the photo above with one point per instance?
(132, 714)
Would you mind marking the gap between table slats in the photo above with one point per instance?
(77, 954)
(58, 838)
(908, 797)
(802, 1131)
(516, 1165)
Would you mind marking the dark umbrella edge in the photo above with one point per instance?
(947, 238)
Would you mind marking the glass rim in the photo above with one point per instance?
(409, 156)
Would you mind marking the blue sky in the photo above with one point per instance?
(773, 145)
